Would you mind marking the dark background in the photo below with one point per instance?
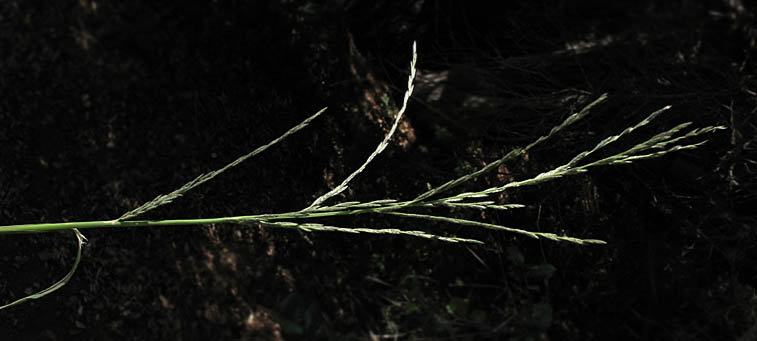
(105, 104)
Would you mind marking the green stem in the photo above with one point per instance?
(247, 219)
(49, 227)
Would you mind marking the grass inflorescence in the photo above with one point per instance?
(440, 196)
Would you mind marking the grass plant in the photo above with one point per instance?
(658, 145)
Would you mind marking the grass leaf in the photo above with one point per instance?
(81, 240)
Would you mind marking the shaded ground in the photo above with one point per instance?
(106, 105)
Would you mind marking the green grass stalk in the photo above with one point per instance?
(658, 145)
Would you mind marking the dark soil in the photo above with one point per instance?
(104, 105)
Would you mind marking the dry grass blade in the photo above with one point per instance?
(465, 178)
(481, 205)
(168, 198)
(81, 240)
(311, 227)
(513, 153)
(658, 141)
(568, 121)
(535, 235)
(384, 143)
(614, 138)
